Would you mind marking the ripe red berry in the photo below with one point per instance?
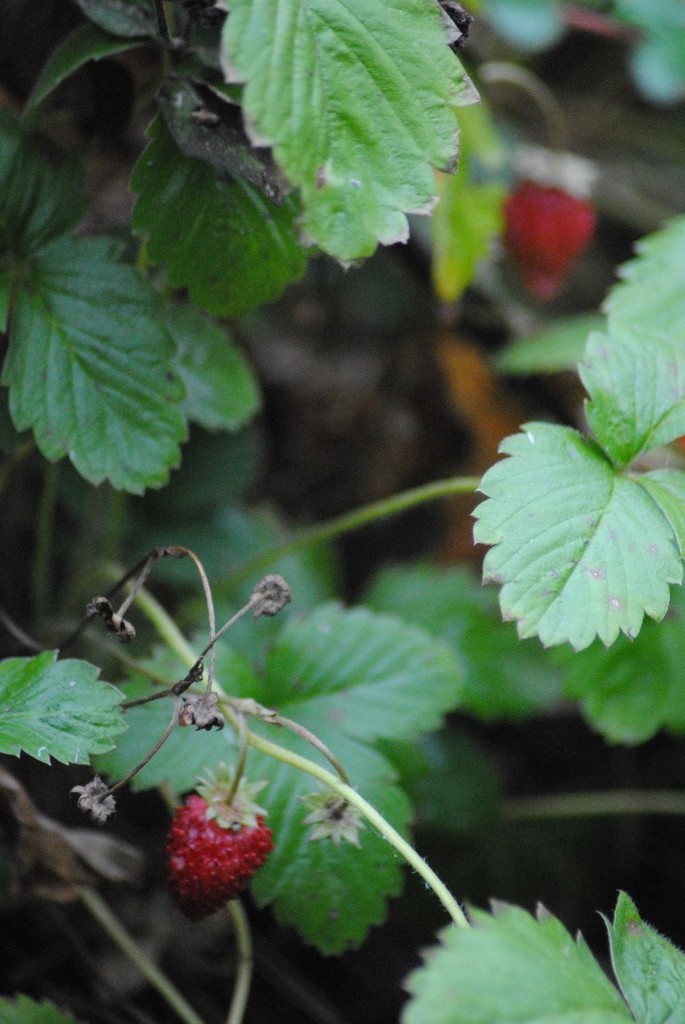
(546, 229)
(209, 864)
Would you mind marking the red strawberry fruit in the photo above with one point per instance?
(546, 230)
(209, 863)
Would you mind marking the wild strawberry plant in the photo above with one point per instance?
(278, 128)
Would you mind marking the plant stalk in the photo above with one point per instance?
(354, 520)
(118, 934)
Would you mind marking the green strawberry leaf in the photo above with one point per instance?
(371, 675)
(636, 382)
(559, 345)
(503, 676)
(637, 687)
(650, 969)
(314, 884)
(88, 367)
(38, 202)
(85, 43)
(651, 296)
(221, 391)
(636, 376)
(216, 234)
(667, 488)
(122, 17)
(511, 967)
(22, 1010)
(580, 551)
(357, 100)
(58, 709)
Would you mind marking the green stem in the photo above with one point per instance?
(354, 520)
(243, 971)
(117, 933)
(177, 642)
(42, 563)
(603, 802)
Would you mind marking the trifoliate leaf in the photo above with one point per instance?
(58, 709)
(509, 968)
(503, 676)
(38, 202)
(649, 968)
(22, 1010)
(221, 391)
(636, 383)
(216, 234)
(580, 551)
(372, 675)
(314, 884)
(637, 687)
(87, 42)
(357, 100)
(89, 367)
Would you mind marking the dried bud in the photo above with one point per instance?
(96, 800)
(115, 623)
(202, 712)
(272, 594)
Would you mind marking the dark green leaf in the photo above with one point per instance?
(205, 124)
(450, 780)
(358, 100)
(580, 551)
(649, 968)
(316, 886)
(38, 202)
(221, 391)
(511, 968)
(637, 687)
(503, 676)
(122, 17)
(59, 709)
(85, 43)
(216, 234)
(22, 1010)
(372, 675)
(90, 367)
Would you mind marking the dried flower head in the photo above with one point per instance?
(270, 595)
(201, 711)
(332, 817)
(96, 800)
(115, 623)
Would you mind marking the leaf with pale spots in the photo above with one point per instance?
(580, 550)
